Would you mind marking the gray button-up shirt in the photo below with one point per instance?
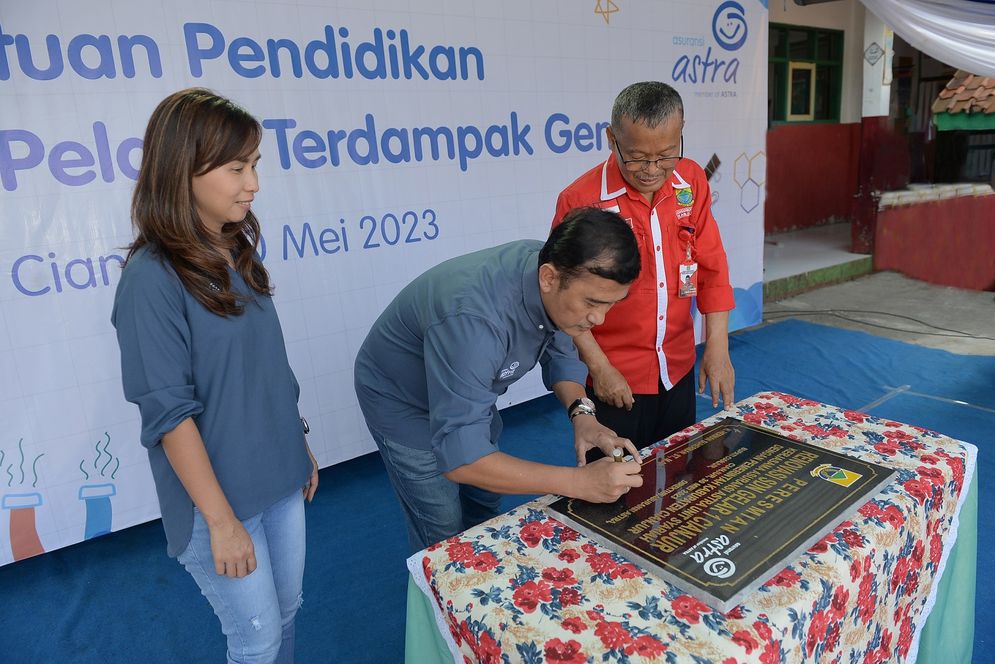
(435, 362)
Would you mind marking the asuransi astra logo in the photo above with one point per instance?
(729, 30)
(729, 25)
(510, 371)
(720, 568)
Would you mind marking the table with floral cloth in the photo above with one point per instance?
(523, 587)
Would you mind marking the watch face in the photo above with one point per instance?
(582, 405)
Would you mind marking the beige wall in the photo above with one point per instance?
(845, 15)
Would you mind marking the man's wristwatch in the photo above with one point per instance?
(582, 406)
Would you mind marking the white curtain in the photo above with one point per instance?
(960, 33)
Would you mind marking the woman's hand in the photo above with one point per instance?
(232, 548)
(312, 482)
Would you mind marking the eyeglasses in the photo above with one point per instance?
(636, 165)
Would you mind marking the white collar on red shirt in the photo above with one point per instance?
(676, 180)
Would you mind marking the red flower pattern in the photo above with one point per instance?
(528, 595)
(646, 646)
(626, 571)
(837, 606)
(893, 517)
(919, 489)
(905, 637)
(855, 569)
(575, 625)
(488, 651)
(817, 627)
(771, 653)
(957, 466)
(743, 639)
(688, 609)
(569, 534)
(871, 510)
(602, 563)
(484, 562)
(900, 573)
(568, 555)
(559, 577)
(935, 550)
(460, 552)
(565, 653)
(889, 448)
(853, 539)
(833, 638)
(823, 545)
(787, 577)
(866, 599)
(534, 532)
(753, 418)
(570, 597)
(613, 635)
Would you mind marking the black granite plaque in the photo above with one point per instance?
(721, 513)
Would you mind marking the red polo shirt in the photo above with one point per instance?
(649, 336)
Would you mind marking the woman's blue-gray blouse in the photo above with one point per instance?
(230, 374)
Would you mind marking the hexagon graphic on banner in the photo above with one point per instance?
(749, 173)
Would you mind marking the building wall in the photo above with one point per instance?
(845, 15)
(812, 167)
(942, 242)
(811, 174)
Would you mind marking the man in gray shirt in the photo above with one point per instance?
(431, 369)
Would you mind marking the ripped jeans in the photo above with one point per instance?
(257, 612)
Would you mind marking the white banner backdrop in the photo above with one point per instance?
(397, 135)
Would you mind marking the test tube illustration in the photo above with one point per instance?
(24, 540)
(97, 495)
(98, 508)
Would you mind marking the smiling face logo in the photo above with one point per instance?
(729, 25)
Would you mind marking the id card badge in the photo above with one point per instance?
(688, 272)
(688, 286)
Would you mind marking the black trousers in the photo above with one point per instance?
(653, 416)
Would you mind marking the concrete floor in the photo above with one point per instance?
(798, 252)
(891, 305)
(887, 304)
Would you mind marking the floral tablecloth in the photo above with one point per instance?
(525, 588)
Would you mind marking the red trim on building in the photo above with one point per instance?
(947, 242)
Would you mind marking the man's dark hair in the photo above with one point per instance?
(649, 103)
(592, 240)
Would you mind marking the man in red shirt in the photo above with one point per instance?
(640, 360)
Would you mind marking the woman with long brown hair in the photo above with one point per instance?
(203, 357)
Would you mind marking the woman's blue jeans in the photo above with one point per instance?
(257, 611)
